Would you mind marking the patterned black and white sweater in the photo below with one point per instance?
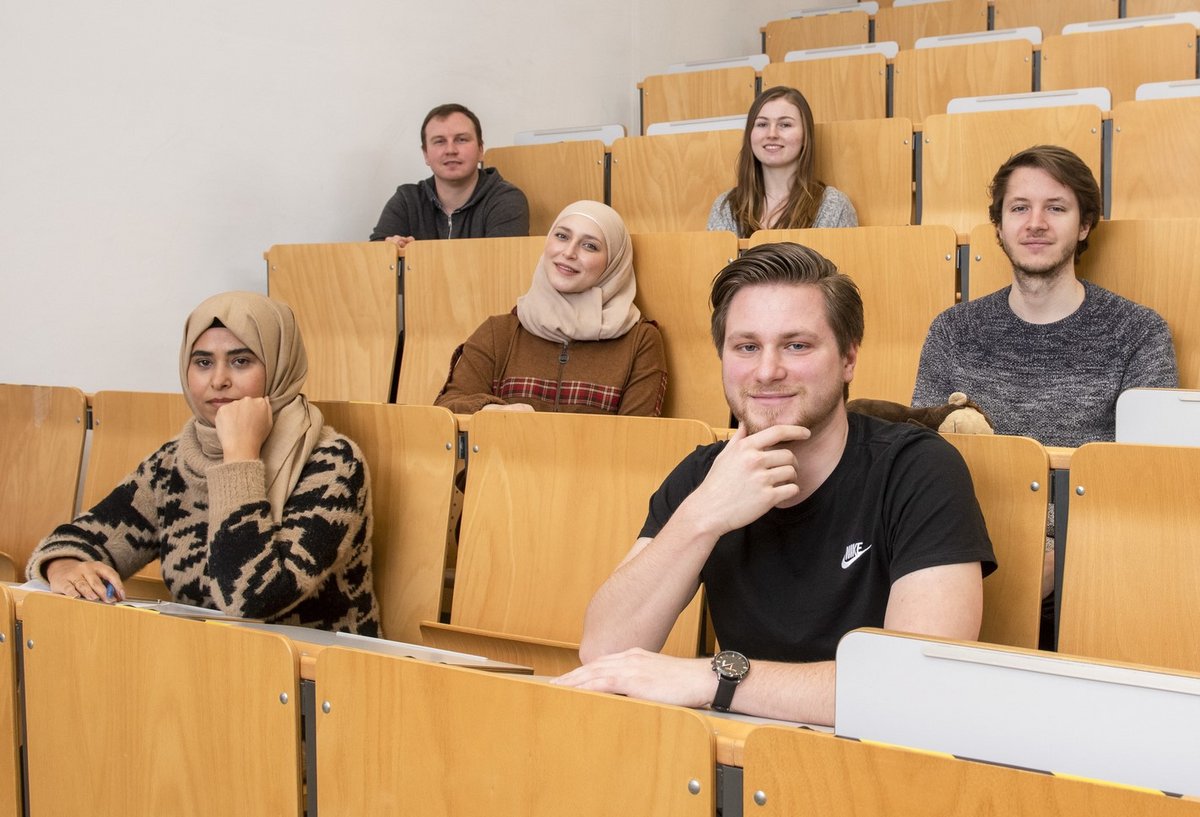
(211, 524)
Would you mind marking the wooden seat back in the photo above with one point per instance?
(906, 24)
(815, 31)
(1119, 60)
(926, 79)
(552, 176)
(697, 94)
(1156, 159)
(838, 88)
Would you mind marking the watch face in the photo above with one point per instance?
(731, 664)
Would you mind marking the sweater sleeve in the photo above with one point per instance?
(507, 214)
(719, 217)
(647, 385)
(933, 385)
(394, 219)
(261, 568)
(472, 373)
(121, 530)
(1152, 364)
(835, 210)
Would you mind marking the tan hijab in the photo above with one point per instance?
(268, 328)
(606, 310)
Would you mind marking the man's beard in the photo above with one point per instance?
(1047, 269)
(813, 412)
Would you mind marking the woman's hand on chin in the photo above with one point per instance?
(243, 426)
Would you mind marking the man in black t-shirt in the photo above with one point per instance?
(808, 523)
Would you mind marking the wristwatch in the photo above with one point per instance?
(731, 667)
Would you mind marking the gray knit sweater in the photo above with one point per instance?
(835, 211)
(1057, 382)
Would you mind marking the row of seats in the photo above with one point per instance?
(538, 537)
(159, 715)
(921, 82)
(1146, 152)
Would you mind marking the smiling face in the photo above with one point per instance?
(777, 134)
(220, 370)
(576, 254)
(780, 362)
(452, 148)
(1039, 224)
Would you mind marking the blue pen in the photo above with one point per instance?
(110, 592)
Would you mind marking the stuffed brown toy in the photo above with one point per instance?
(959, 415)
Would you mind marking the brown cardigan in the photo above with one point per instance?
(503, 363)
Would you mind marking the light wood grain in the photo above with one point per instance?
(838, 88)
(697, 94)
(551, 658)
(42, 431)
(552, 176)
(1156, 159)
(906, 24)
(871, 161)
(10, 716)
(926, 79)
(963, 151)
(344, 297)
(820, 31)
(802, 772)
(134, 713)
(1119, 60)
(1132, 570)
(450, 288)
(1145, 8)
(1004, 471)
(674, 276)
(1151, 262)
(401, 735)
(1051, 17)
(906, 277)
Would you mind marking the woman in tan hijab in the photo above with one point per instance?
(575, 341)
(257, 508)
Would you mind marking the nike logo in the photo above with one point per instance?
(852, 554)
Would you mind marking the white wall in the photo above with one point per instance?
(150, 152)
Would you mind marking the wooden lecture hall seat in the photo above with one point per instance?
(837, 88)
(153, 714)
(1144, 8)
(1131, 568)
(459, 742)
(411, 453)
(1051, 17)
(1119, 60)
(962, 151)
(1156, 159)
(926, 79)
(10, 711)
(815, 31)
(345, 300)
(1150, 262)
(697, 94)
(906, 277)
(42, 429)
(906, 24)
(553, 503)
(1012, 484)
(551, 176)
(869, 160)
(450, 288)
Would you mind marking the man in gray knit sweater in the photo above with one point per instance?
(1047, 356)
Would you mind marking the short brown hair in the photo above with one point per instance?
(1065, 168)
(442, 111)
(788, 263)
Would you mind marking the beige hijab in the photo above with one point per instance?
(606, 310)
(268, 328)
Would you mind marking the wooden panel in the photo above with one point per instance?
(400, 733)
(1156, 159)
(411, 453)
(926, 79)
(906, 277)
(1004, 471)
(550, 658)
(152, 715)
(10, 716)
(127, 427)
(962, 152)
(1150, 262)
(800, 772)
(674, 275)
(1145, 8)
(668, 183)
(1119, 60)
(552, 176)
(906, 24)
(1051, 17)
(838, 88)
(450, 288)
(538, 538)
(818, 31)
(1131, 568)
(697, 94)
(344, 297)
(41, 450)
(871, 161)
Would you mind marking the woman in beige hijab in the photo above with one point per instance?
(575, 342)
(257, 508)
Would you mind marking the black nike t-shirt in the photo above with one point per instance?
(790, 585)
